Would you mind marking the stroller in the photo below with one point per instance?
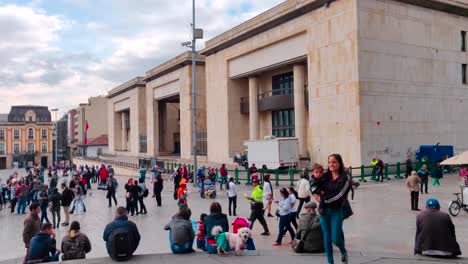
(210, 189)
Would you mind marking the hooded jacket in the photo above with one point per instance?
(122, 222)
(181, 231)
(310, 232)
(42, 247)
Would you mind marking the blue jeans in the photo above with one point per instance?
(21, 206)
(223, 181)
(284, 223)
(202, 189)
(180, 249)
(44, 213)
(332, 228)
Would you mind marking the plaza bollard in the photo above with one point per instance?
(276, 177)
(362, 174)
(291, 176)
(386, 172)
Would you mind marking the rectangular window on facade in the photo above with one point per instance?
(30, 133)
(2, 149)
(283, 123)
(2, 134)
(463, 73)
(463, 41)
(44, 148)
(44, 133)
(30, 147)
(283, 84)
(16, 134)
(16, 148)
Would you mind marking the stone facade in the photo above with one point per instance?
(95, 112)
(26, 136)
(371, 77)
(169, 106)
(127, 118)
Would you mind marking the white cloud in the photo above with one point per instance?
(118, 40)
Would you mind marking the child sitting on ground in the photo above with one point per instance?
(201, 233)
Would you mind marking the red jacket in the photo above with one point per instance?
(223, 171)
(103, 173)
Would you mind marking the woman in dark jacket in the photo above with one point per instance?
(335, 194)
(55, 198)
(216, 218)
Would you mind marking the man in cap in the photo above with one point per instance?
(435, 232)
(309, 232)
(256, 207)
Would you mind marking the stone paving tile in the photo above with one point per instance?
(382, 222)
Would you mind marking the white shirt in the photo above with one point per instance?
(266, 189)
(232, 189)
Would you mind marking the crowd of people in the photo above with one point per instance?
(312, 212)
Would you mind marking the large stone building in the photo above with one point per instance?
(26, 136)
(92, 115)
(356, 77)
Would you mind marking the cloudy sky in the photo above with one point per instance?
(60, 52)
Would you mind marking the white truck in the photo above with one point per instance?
(274, 153)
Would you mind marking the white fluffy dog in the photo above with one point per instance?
(230, 241)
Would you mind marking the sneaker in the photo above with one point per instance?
(265, 234)
(270, 215)
(276, 244)
(344, 259)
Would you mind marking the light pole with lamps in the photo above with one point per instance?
(56, 134)
(197, 33)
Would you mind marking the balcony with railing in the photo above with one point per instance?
(273, 100)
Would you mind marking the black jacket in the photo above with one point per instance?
(435, 231)
(121, 222)
(215, 220)
(67, 197)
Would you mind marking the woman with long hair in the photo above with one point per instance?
(336, 186)
(284, 211)
(267, 194)
(232, 196)
(293, 195)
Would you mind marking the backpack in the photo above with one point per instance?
(146, 193)
(120, 244)
(72, 250)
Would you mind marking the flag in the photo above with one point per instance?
(86, 126)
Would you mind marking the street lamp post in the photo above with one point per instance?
(56, 135)
(197, 33)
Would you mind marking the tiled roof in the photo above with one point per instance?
(102, 140)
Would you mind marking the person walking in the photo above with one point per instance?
(267, 195)
(412, 183)
(31, 226)
(75, 245)
(142, 172)
(158, 187)
(55, 199)
(256, 207)
(67, 198)
(22, 191)
(224, 174)
(303, 192)
(142, 195)
(43, 199)
(232, 196)
(13, 197)
(284, 211)
(335, 191)
(409, 167)
(111, 189)
(437, 174)
(294, 205)
(424, 175)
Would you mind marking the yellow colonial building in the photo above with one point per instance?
(26, 136)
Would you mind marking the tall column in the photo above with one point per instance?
(299, 108)
(253, 108)
(124, 132)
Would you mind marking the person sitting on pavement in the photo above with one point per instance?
(121, 236)
(215, 218)
(75, 244)
(435, 232)
(309, 233)
(42, 247)
(181, 233)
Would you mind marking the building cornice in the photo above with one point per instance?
(127, 86)
(292, 9)
(174, 64)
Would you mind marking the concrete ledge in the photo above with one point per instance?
(266, 257)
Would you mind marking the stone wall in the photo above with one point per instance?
(410, 79)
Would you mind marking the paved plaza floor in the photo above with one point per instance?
(382, 224)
